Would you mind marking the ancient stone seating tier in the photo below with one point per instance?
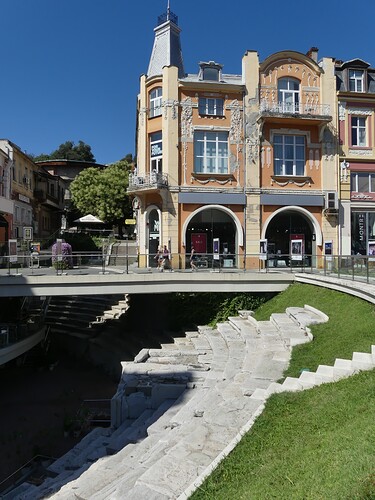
(180, 409)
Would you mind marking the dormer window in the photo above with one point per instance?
(210, 71)
(356, 80)
(211, 106)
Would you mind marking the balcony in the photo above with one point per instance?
(153, 181)
(305, 111)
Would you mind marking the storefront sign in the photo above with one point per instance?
(23, 198)
(12, 250)
(263, 249)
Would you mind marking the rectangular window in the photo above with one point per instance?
(356, 80)
(156, 102)
(358, 126)
(362, 182)
(156, 152)
(211, 106)
(289, 155)
(211, 152)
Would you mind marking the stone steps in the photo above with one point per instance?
(179, 406)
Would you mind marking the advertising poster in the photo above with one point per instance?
(328, 245)
(371, 249)
(12, 250)
(296, 249)
(263, 249)
(216, 247)
(59, 250)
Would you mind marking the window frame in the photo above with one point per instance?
(156, 156)
(354, 184)
(355, 80)
(284, 105)
(155, 102)
(284, 158)
(204, 108)
(355, 132)
(209, 139)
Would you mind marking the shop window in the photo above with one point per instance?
(211, 106)
(211, 152)
(288, 95)
(156, 152)
(358, 131)
(155, 102)
(289, 155)
(356, 80)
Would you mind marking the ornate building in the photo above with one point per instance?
(225, 161)
(356, 118)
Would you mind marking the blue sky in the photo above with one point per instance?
(70, 68)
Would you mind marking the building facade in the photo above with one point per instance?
(356, 124)
(226, 162)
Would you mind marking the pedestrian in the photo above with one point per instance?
(167, 258)
(159, 259)
(192, 259)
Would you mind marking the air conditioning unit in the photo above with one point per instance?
(331, 201)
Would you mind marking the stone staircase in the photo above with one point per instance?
(83, 315)
(182, 408)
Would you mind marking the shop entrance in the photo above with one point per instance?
(290, 239)
(212, 233)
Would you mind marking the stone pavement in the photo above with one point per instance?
(179, 410)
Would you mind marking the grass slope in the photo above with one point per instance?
(315, 444)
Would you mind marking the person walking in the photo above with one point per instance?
(192, 259)
(167, 258)
(159, 259)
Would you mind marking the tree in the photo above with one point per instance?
(103, 193)
(69, 151)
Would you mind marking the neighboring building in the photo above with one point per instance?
(356, 118)
(224, 160)
(6, 204)
(67, 171)
(21, 186)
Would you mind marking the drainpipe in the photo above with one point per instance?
(244, 176)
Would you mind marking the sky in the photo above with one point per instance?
(70, 68)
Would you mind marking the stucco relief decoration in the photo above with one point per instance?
(317, 159)
(329, 142)
(170, 104)
(344, 171)
(211, 179)
(290, 181)
(311, 159)
(342, 108)
(235, 132)
(360, 111)
(268, 157)
(186, 129)
(360, 152)
(142, 113)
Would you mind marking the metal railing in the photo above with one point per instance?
(154, 179)
(359, 267)
(295, 108)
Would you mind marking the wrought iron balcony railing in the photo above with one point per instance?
(153, 180)
(283, 108)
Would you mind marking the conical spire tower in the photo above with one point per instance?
(167, 46)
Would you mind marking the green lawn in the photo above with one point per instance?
(315, 444)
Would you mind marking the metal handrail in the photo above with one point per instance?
(294, 108)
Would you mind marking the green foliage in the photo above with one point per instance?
(103, 192)
(190, 309)
(82, 242)
(69, 151)
(318, 443)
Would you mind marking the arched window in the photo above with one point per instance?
(288, 95)
(155, 102)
